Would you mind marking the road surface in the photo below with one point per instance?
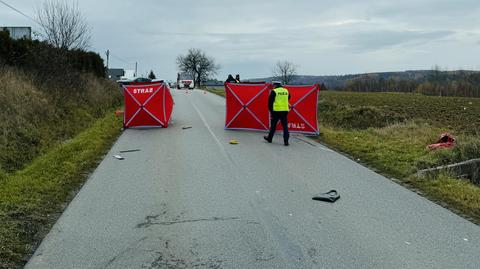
(189, 199)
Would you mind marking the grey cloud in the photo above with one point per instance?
(377, 40)
(248, 36)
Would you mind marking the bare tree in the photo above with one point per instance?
(284, 71)
(63, 25)
(197, 64)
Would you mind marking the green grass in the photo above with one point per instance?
(217, 91)
(392, 150)
(30, 199)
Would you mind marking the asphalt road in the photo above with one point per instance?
(189, 199)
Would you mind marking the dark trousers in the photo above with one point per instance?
(282, 117)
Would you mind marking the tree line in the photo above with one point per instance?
(46, 60)
(438, 83)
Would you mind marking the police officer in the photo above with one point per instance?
(279, 107)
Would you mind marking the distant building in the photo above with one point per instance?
(129, 73)
(115, 73)
(18, 32)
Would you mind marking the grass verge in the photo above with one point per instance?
(460, 196)
(32, 198)
(217, 91)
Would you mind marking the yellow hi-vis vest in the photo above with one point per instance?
(281, 100)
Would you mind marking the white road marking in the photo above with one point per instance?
(220, 145)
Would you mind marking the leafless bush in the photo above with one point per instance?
(284, 71)
(63, 25)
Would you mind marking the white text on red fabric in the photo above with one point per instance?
(295, 125)
(144, 90)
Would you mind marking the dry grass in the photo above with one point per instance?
(24, 108)
(35, 117)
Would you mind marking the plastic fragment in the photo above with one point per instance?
(330, 196)
(129, 150)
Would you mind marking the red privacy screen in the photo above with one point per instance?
(247, 107)
(147, 105)
(302, 117)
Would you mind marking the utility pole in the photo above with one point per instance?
(108, 56)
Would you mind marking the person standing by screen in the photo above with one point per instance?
(279, 108)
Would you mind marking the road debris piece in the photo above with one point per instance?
(118, 157)
(330, 196)
(129, 150)
(233, 142)
(186, 127)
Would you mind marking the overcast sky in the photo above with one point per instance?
(322, 37)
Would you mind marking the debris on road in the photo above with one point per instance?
(186, 127)
(129, 150)
(330, 196)
(233, 142)
(118, 157)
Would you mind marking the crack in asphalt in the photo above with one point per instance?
(262, 259)
(150, 221)
(121, 253)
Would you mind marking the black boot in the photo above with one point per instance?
(286, 143)
(268, 140)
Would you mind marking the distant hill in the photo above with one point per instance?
(341, 80)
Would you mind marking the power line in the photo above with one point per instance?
(20, 12)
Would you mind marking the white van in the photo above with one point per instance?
(186, 83)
